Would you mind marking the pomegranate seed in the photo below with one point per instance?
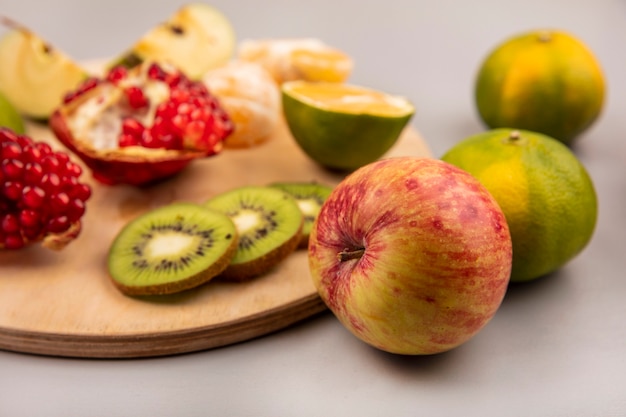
(136, 98)
(44, 148)
(73, 170)
(11, 150)
(76, 209)
(29, 218)
(50, 163)
(127, 140)
(12, 169)
(59, 203)
(155, 72)
(132, 126)
(12, 190)
(117, 74)
(59, 224)
(10, 223)
(81, 192)
(50, 182)
(13, 241)
(33, 197)
(31, 153)
(8, 136)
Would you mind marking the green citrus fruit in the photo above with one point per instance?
(543, 189)
(9, 117)
(343, 126)
(544, 81)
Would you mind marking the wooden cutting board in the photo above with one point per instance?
(64, 304)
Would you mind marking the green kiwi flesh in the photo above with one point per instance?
(310, 196)
(171, 249)
(269, 226)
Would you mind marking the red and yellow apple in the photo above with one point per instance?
(412, 255)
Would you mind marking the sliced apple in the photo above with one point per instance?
(34, 76)
(195, 39)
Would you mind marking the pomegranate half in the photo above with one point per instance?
(140, 125)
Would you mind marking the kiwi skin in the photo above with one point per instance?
(176, 286)
(244, 270)
(305, 190)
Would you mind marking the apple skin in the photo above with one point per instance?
(412, 255)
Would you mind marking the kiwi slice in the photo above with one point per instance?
(310, 196)
(171, 249)
(269, 226)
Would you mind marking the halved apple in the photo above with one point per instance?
(34, 76)
(196, 38)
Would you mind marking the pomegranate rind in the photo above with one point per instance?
(137, 166)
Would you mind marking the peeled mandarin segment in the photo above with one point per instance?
(251, 98)
(297, 59)
(325, 64)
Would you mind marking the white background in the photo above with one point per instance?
(557, 347)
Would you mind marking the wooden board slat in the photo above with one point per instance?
(64, 304)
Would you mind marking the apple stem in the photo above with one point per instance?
(347, 254)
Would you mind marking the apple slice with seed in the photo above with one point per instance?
(196, 38)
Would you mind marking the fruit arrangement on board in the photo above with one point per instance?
(413, 255)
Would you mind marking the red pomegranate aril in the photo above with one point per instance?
(127, 140)
(31, 153)
(117, 74)
(59, 203)
(33, 197)
(12, 190)
(11, 150)
(14, 241)
(155, 72)
(50, 163)
(12, 169)
(59, 224)
(44, 148)
(8, 136)
(132, 126)
(80, 191)
(149, 141)
(75, 209)
(73, 170)
(50, 182)
(136, 98)
(171, 142)
(10, 223)
(29, 219)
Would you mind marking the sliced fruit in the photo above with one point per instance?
(310, 196)
(41, 196)
(171, 249)
(297, 59)
(9, 116)
(141, 125)
(34, 76)
(343, 126)
(251, 98)
(269, 226)
(196, 38)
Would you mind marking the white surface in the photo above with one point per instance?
(557, 347)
